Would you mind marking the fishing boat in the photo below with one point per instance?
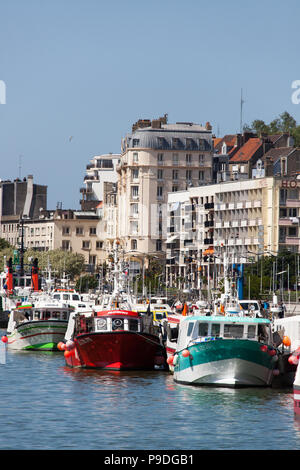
(218, 350)
(112, 335)
(38, 327)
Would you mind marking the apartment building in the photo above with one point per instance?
(19, 198)
(68, 230)
(245, 218)
(100, 170)
(158, 158)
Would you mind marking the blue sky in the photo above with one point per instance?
(91, 68)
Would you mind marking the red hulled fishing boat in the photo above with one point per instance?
(114, 336)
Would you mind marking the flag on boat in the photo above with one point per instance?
(185, 309)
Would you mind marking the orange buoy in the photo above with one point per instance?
(4, 339)
(170, 360)
(67, 353)
(186, 353)
(286, 341)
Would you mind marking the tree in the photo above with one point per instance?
(86, 282)
(260, 127)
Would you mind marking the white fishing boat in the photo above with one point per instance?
(38, 327)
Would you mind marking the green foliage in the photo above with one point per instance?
(260, 275)
(86, 282)
(284, 123)
(4, 244)
(61, 262)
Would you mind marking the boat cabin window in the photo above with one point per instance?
(203, 329)
(263, 332)
(133, 325)
(66, 297)
(56, 296)
(36, 314)
(75, 297)
(215, 329)
(101, 324)
(190, 328)
(251, 331)
(117, 324)
(233, 331)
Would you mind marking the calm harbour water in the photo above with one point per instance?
(47, 406)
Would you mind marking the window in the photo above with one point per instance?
(79, 230)
(92, 230)
(201, 175)
(160, 174)
(159, 192)
(66, 230)
(175, 174)
(118, 324)
(99, 245)
(251, 331)
(135, 173)
(188, 175)
(233, 331)
(190, 328)
(134, 227)
(134, 244)
(174, 188)
(135, 142)
(203, 329)
(134, 192)
(188, 158)
(201, 159)
(65, 244)
(101, 324)
(158, 245)
(133, 325)
(134, 209)
(85, 245)
(175, 159)
(215, 329)
(160, 158)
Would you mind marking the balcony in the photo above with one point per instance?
(209, 205)
(208, 241)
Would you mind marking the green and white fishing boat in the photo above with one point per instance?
(38, 327)
(232, 351)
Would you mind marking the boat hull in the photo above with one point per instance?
(37, 335)
(120, 350)
(227, 363)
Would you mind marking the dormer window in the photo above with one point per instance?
(224, 149)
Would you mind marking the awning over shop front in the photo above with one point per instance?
(171, 239)
(209, 251)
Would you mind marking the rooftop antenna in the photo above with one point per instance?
(241, 113)
(20, 166)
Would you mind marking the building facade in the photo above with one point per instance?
(246, 219)
(158, 158)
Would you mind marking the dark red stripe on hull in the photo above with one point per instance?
(116, 351)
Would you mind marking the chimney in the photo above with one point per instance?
(208, 126)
